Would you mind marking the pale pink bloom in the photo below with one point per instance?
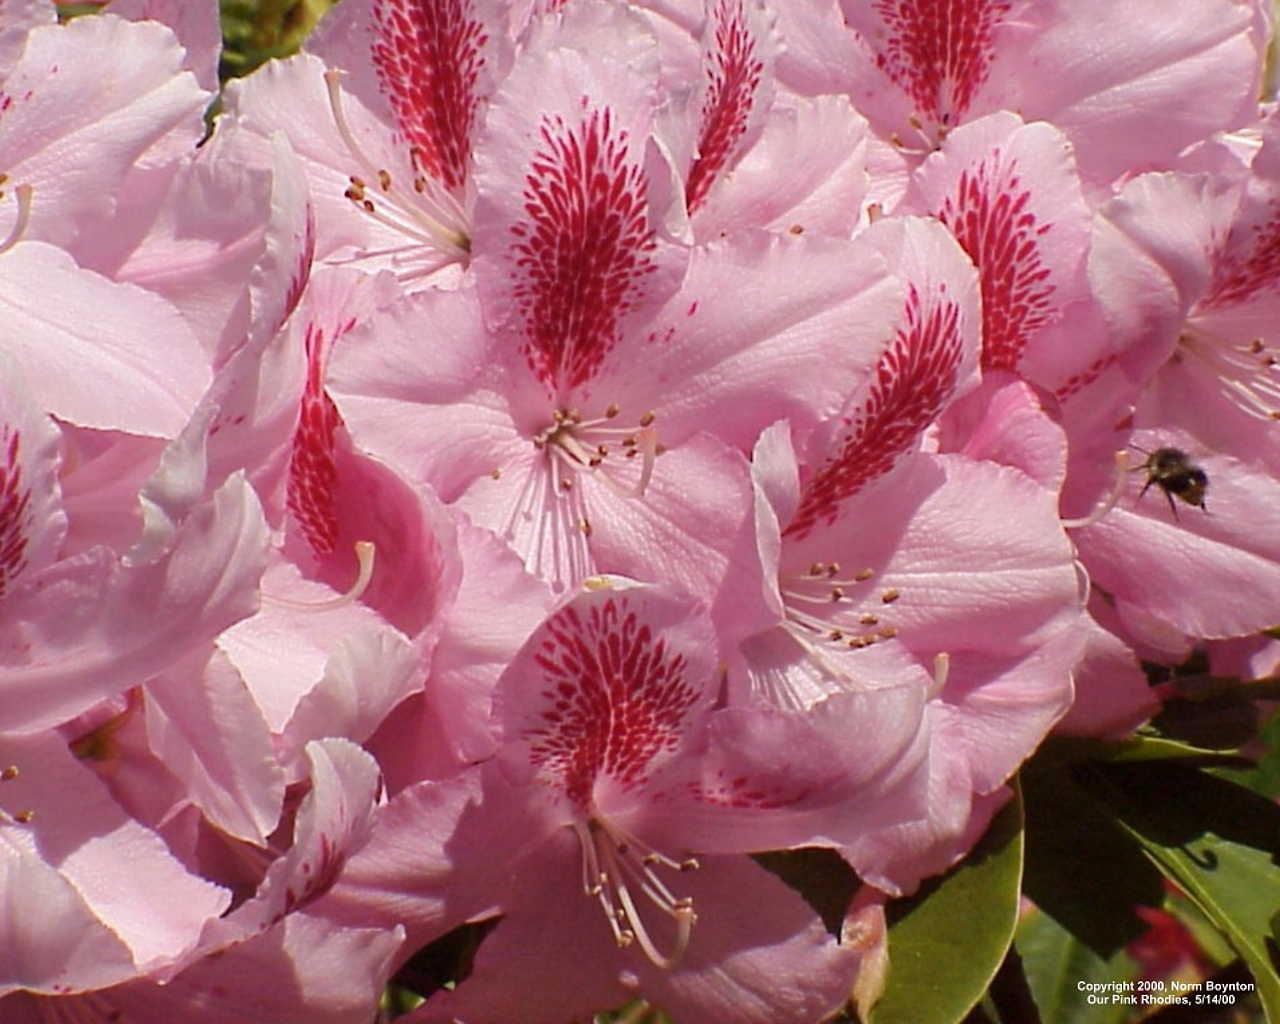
(1130, 86)
(94, 898)
(614, 769)
(551, 385)
(1209, 389)
(359, 626)
(887, 563)
(302, 971)
(192, 231)
(1010, 194)
(75, 125)
(383, 109)
(447, 726)
(1113, 696)
(267, 933)
(889, 588)
(1004, 421)
(81, 628)
(18, 18)
(751, 155)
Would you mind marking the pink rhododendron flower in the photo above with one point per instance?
(89, 626)
(1160, 83)
(95, 898)
(392, 93)
(554, 380)
(614, 767)
(73, 128)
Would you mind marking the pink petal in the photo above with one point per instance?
(121, 871)
(1142, 555)
(429, 864)
(604, 693)
(92, 626)
(766, 960)
(693, 529)
(335, 820)
(1113, 696)
(897, 858)
(367, 674)
(18, 18)
(202, 722)
(553, 283)
(1158, 84)
(89, 357)
(1010, 194)
(931, 360)
(290, 96)
(498, 606)
(734, 94)
(74, 127)
(806, 173)
(52, 939)
(33, 524)
(195, 25)
(1003, 422)
(424, 67)
(303, 971)
(764, 327)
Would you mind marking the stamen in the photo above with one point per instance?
(1248, 375)
(365, 553)
(941, 669)
(1113, 497)
(613, 861)
(431, 206)
(23, 196)
(23, 817)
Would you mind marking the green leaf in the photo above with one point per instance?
(1138, 748)
(1059, 969)
(1219, 842)
(1082, 868)
(947, 942)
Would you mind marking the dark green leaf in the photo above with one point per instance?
(1082, 868)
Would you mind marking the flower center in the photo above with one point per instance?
(427, 213)
(575, 444)
(821, 602)
(613, 862)
(1248, 374)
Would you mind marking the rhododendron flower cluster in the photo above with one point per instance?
(525, 459)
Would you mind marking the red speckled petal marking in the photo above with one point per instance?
(939, 51)
(616, 698)
(989, 214)
(313, 473)
(1238, 280)
(734, 71)
(583, 253)
(428, 55)
(15, 501)
(911, 384)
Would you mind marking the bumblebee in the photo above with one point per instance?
(1172, 470)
